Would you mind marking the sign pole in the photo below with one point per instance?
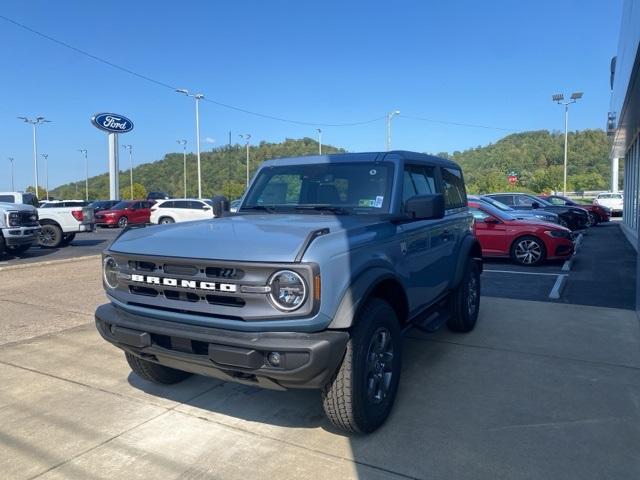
(114, 167)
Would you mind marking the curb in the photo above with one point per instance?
(566, 266)
(48, 262)
(558, 287)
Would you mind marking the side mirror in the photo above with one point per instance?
(425, 207)
(535, 205)
(220, 206)
(206, 207)
(491, 220)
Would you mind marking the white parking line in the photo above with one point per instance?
(521, 273)
(557, 287)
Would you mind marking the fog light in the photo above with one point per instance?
(274, 359)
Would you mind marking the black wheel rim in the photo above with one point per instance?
(46, 236)
(379, 366)
(473, 294)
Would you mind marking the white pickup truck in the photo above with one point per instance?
(59, 222)
(18, 228)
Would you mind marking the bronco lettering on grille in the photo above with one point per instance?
(194, 284)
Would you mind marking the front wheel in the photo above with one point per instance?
(361, 394)
(123, 221)
(593, 220)
(528, 251)
(154, 372)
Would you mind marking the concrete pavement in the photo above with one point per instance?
(538, 390)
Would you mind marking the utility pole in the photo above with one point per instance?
(86, 173)
(559, 99)
(390, 115)
(46, 172)
(183, 142)
(13, 187)
(197, 97)
(247, 137)
(319, 141)
(34, 123)
(130, 147)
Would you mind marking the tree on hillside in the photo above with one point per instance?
(139, 192)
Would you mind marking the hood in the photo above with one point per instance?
(16, 206)
(259, 238)
(539, 223)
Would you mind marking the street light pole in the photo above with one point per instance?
(559, 99)
(183, 142)
(247, 137)
(86, 173)
(319, 141)
(390, 115)
(34, 123)
(130, 147)
(46, 172)
(197, 97)
(13, 188)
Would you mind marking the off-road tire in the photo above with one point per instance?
(67, 238)
(465, 300)
(166, 220)
(154, 372)
(345, 398)
(50, 236)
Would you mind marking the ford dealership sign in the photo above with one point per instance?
(112, 122)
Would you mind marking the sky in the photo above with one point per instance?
(494, 63)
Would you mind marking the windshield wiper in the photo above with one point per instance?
(263, 208)
(324, 208)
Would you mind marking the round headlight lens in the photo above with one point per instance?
(288, 290)
(110, 272)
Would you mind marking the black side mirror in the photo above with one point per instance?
(220, 206)
(491, 220)
(535, 205)
(425, 207)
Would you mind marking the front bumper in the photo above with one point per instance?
(17, 236)
(308, 360)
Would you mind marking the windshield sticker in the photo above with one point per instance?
(378, 202)
(363, 202)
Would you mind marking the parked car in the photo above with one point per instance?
(537, 214)
(596, 213)
(99, 205)
(571, 217)
(181, 210)
(527, 242)
(59, 224)
(125, 213)
(308, 286)
(158, 196)
(19, 228)
(613, 201)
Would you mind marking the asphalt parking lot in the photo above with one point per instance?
(540, 389)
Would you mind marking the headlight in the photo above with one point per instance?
(110, 272)
(288, 290)
(558, 233)
(13, 219)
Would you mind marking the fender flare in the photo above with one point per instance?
(470, 247)
(357, 292)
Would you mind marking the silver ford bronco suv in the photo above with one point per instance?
(309, 285)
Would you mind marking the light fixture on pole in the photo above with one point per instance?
(13, 187)
(247, 137)
(86, 173)
(130, 147)
(390, 115)
(559, 99)
(46, 172)
(319, 140)
(34, 123)
(183, 142)
(197, 97)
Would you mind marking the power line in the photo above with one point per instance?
(473, 125)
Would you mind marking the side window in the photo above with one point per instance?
(523, 201)
(181, 204)
(418, 180)
(169, 204)
(478, 214)
(505, 199)
(7, 198)
(195, 205)
(455, 195)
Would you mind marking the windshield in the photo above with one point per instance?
(359, 187)
(615, 196)
(496, 212)
(497, 204)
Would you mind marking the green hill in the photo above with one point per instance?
(536, 157)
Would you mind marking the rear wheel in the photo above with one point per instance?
(50, 236)
(166, 220)
(528, 251)
(154, 372)
(465, 300)
(123, 222)
(361, 394)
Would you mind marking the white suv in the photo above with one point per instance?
(181, 210)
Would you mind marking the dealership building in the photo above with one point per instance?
(624, 120)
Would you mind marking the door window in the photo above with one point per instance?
(455, 195)
(182, 204)
(7, 198)
(523, 201)
(504, 199)
(418, 180)
(478, 214)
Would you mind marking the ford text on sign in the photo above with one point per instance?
(112, 122)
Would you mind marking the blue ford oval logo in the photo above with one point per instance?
(112, 122)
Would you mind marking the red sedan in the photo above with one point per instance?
(125, 213)
(596, 213)
(527, 242)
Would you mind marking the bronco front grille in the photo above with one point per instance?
(223, 289)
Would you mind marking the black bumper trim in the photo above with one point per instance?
(309, 360)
